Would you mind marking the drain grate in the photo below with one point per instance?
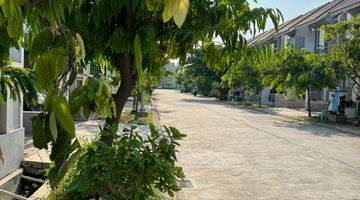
(184, 183)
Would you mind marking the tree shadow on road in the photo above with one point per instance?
(307, 127)
(315, 129)
(202, 101)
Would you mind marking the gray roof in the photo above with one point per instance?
(318, 13)
(270, 33)
(262, 37)
(344, 4)
(308, 18)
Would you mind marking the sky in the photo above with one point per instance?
(290, 8)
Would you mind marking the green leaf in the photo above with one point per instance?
(13, 13)
(75, 145)
(48, 104)
(50, 66)
(39, 135)
(138, 57)
(66, 165)
(62, 113)
(53, 126)
(180, 12)
(80, 48)
(150, 4)
(120, 41)
(168, 10)
(177, 9)
(40, 44)
(154, 133)
(177, 135)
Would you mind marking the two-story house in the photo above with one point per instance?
(304, 32)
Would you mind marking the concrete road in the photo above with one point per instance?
(233, 153)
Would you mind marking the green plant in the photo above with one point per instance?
(345, 55)
(16, 81)
(148, 98)
(129, 118)
(134, 167)
(300, 71)
(131, 36)
(197, 75)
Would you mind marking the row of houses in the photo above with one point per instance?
(304, 32)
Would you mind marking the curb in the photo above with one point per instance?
(156, 115)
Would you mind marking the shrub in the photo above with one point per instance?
(132, 168)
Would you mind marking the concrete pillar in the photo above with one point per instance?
(265, 96)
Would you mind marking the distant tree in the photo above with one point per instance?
(300, 71)
(246, 77)
(345, 55)
(198, 75)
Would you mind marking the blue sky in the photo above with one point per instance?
(290, 8)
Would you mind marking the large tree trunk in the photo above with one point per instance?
(309, 101)
(123, 65)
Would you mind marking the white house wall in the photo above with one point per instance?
(11, 127)
(12, 147)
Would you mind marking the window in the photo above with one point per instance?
(274, 46)
(320, 44)
(16, 55)
(287, 41)
(79, 83)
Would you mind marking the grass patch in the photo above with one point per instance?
(128, 118)
(147, 98)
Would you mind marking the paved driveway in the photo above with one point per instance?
(233, 153)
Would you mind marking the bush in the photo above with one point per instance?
(132, 168)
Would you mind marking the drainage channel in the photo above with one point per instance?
(184, 184)
(27, 186)
(12, 195)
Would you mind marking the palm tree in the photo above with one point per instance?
(16, 80)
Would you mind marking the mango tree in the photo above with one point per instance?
(132, 35)
(300, 71)
(246, 77)
(128, 32)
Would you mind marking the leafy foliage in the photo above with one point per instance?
(16, 81)
(132, 168)
(196, 75)
(345, 56)
(131, 35)
(245, 77)
(300, 71)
